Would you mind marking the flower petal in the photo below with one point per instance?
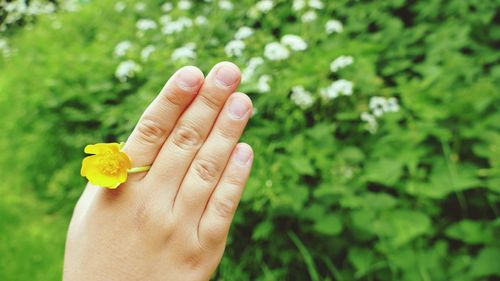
(125, 160)
(92, 171)
(100, 148)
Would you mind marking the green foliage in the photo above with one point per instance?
(330, 198)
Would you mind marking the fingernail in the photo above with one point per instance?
(188, 77)
(238, 108)
(242, 154)
(227, 74)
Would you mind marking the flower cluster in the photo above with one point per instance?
(185, 52)
(146, 24)
(381, 105)
(281, 50)
(301, 97)
(235, 47)
(122, 48)
(378, 107)
(307, 8)
(341, 62)
(337, 88)
(251, 67)
(18, 10)
(170, 23)
(127, 69)
(334, 26)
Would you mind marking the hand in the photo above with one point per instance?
(170, 223)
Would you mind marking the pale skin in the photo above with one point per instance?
(172, 222)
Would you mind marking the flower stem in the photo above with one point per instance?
(139, 169)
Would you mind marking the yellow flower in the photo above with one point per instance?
(108, 167)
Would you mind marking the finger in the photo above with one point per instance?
(209, 163)
(157, 121)
(191, 130)
(216, 220)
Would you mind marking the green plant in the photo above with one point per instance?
(397, 179)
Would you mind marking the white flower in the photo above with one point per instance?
(200, 20)
(298, 5)
(316, 4)
(167, 7)
(122, 48)
(226, 5)
(371, 122)
(381, 105)
(263, 83)
(367, 117)
(234, 48)
(185, 52)
(332, 26)
(243, 33)
(309, 16)
(264, 5)
(294, 42)
(126, 69)
(339, 87)
(140, 7)
(172, 27)
(377, 105)
(176, 26)
(120, 6)
(147, 51)
(276, 51)
(70, 6)
(341, 62)
(301, 97)
(392, 105)
(252, 65)
(184, 4)
(146, 24)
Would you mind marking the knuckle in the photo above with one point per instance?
(214, 235)
(228, 132)
(224, 207)
(207, 170)
(212, 101)
(194, 261)
(172, 98)
(186, 137)
(235, 181)
(150, 131)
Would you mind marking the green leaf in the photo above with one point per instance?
(486, 263)
(262, 230)
(330, 224)
(303, 166)
(384, 171)
(362, 259)
(401, 226)
(472, 232)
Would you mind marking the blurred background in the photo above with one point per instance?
(376, 130)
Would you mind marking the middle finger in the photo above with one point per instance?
(191, 130)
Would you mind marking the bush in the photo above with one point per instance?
(376, 131)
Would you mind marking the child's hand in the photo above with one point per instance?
(171, 222)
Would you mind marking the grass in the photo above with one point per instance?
(31, 239)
